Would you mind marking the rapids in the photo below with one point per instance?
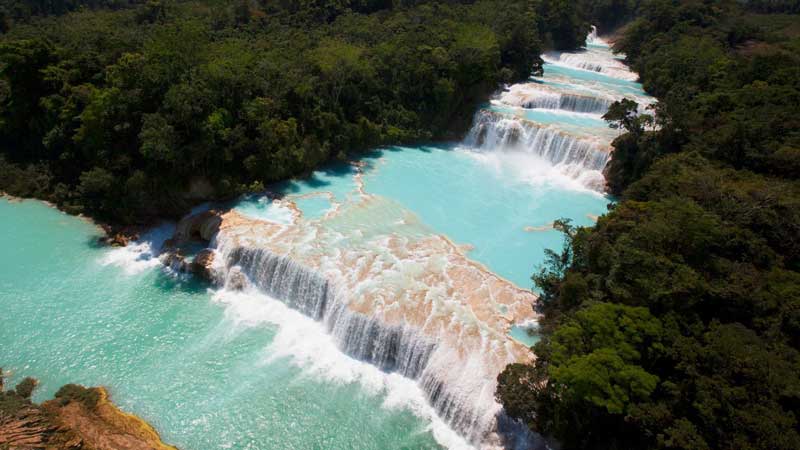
(370, 305)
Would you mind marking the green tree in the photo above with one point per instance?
(25, 387)
(159, 142)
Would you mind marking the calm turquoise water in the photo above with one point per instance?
(523, 335)
(500, 205)
(206, 374)
(487, 201)
(551, 116)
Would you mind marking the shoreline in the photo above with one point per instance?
(76, 417)
(131, 423)
(111, 235)
(120, 235)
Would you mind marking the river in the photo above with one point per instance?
(423, 256)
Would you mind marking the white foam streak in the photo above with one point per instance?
(141, 254)
(578, 158)
(538, 172)
(305, 343)
(538, 96)
(592, 60)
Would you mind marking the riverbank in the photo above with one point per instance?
(77, 418)
(132, 149)
(207, 369)
(685, 294)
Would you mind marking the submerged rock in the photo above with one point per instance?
(119, 240)
(174, 260)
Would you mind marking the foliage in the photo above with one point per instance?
(563, 23)
(13, 401)
(728, 85)
(89, 397)
(551, 279)
(111, 108)
(608, 14)
(673, 323)
(25, 387)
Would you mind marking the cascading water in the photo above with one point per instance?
(492, 131)
(558, 117)
(592, 37)
(408, 301)
(596, 58)
(578, 103)
(426, 349)
(415, 262)
(537, 96)
(391, 348)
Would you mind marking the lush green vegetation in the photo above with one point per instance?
(675, 322)
(128, 110)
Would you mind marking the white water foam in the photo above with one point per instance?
(305, 343)
(539, 96)
(265, 208)
(592, 60)
(538, 172)
(141, 254)
(300, 339)
(578, 158)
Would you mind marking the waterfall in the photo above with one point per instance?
(391, 348)
(592, 37)
(592, 61)
(533, 98)
(452, 381)
(496, 132)
(409, 306)
(584, 104)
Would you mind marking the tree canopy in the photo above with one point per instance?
(673, 323)
(113, 108)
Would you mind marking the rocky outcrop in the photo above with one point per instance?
(119, 236)
(119, 240)
(172, 258)
(236, 280)
(101, 425)
(201, 264)
(27, 428)
(201, 228)
(197, 227)
(78, 418)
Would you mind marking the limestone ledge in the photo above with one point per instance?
(424, 281)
